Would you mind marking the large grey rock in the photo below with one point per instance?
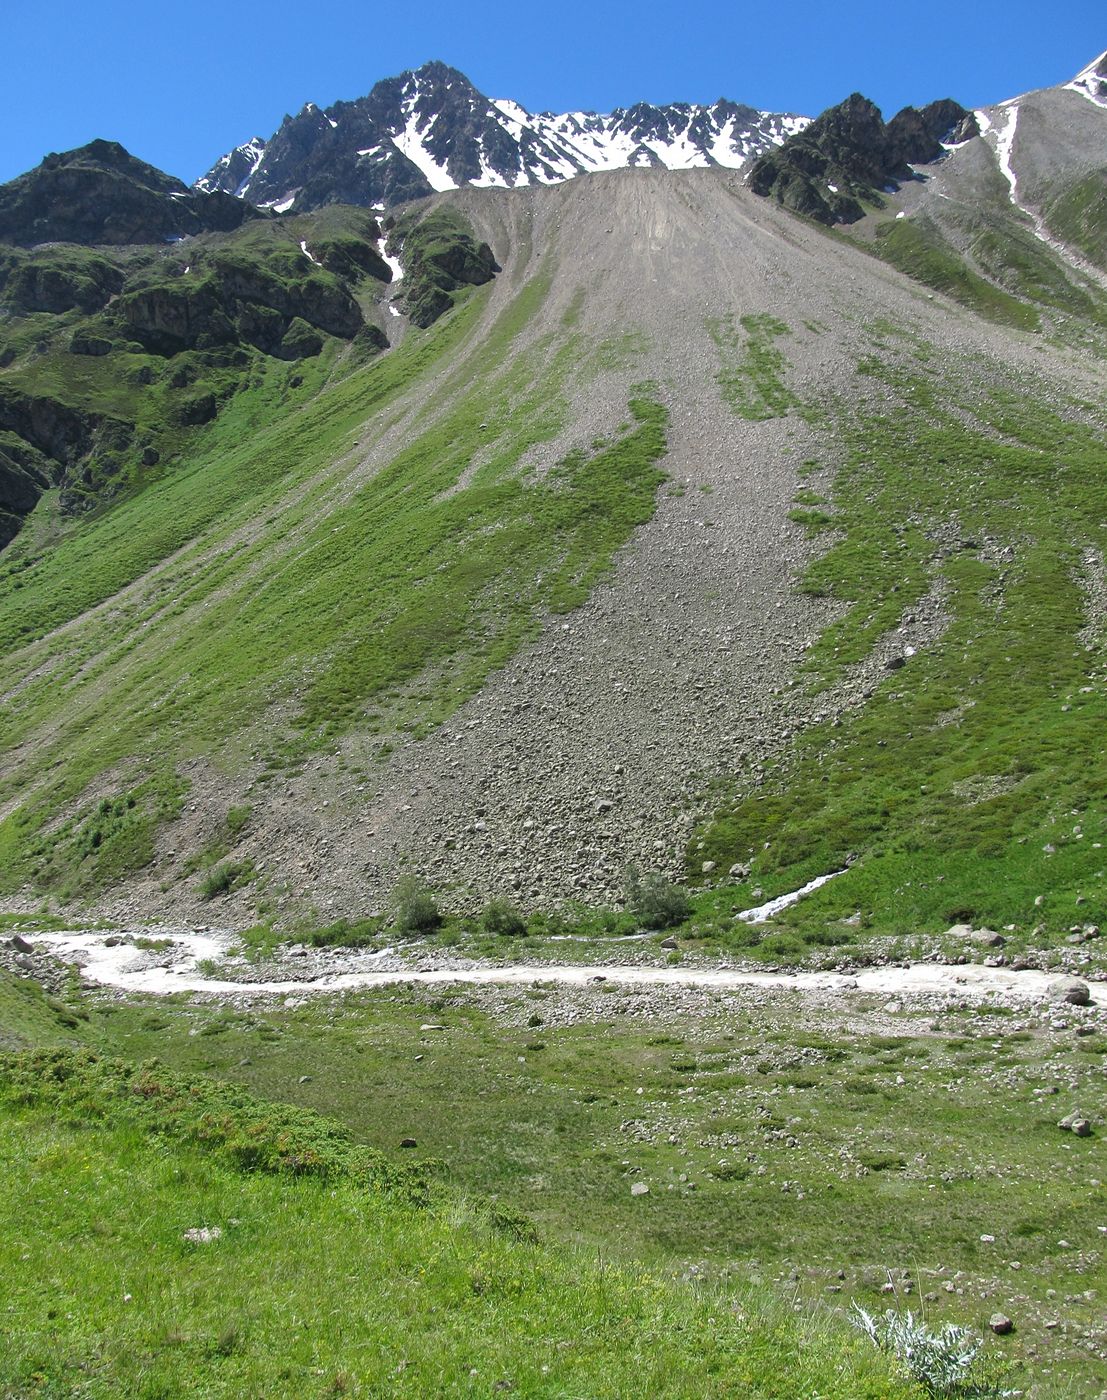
(1072, 991)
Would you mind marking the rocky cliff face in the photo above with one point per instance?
(849, 156)
(100, 194)
(431, 129)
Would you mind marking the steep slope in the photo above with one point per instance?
(112, 355)
(111, 358)
(431, 130)
(394, 626)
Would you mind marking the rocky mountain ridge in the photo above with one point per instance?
(850, 154)
(101, 194)
(430, 130)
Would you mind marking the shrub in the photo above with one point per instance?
(653, 901)
(414, 908)
(501, 916)
(221, 879)
(947, 1364)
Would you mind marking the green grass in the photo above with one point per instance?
(333, 1273)
(974, 779)
(752, 375)
(385, 605)
(1079, 216)
(30, 1016)
(776, 1140)
(918, 248)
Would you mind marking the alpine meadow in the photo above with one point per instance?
(553, 755)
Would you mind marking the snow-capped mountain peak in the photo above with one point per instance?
(430, 129)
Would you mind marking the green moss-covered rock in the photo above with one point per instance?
(440, 256)
(300, 341)
(57, 280)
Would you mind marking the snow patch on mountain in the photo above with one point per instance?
(1091, 82)
(1005, 143)
(411, 143)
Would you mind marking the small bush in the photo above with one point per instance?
(653, 901)
(414, 908)
(501, 916)
(221, 879)
(947, 1364)
(359, 933)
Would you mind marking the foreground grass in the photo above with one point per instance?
(326, 1281)
(830, 1150)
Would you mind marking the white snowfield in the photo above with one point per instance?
(178, 970)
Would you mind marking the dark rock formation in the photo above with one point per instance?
(100, 194)
(849, 157)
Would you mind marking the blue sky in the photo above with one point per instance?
(179, 84)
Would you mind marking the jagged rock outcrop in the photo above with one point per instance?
(849, 156)
(101, 194)
(45, 443)
(440, 256)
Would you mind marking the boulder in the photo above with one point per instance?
(1071, 991)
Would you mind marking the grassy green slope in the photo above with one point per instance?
(332, 1274)
(973, 781)
(266, 573)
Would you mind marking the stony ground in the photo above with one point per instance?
(596, 743)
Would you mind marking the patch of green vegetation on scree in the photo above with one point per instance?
(1079, 216)
(917, 248)
(160, 1231)
(752, 375)
(432, 570)
(972, 785)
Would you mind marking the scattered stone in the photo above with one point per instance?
(669, 943)
(203, 1234)
(304, 1079)
(1076, 1122)
(1001, 1324)
(432, 1027)
(639, 1189)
